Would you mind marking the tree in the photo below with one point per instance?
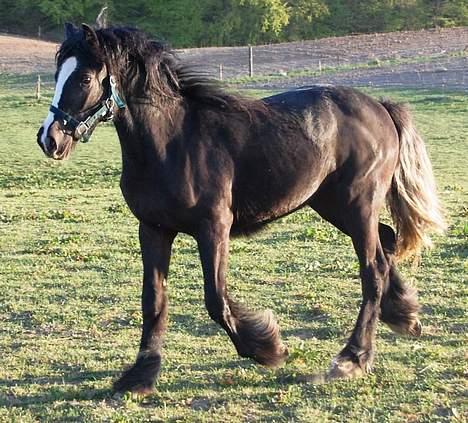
(304, 15)
(446, 13)
(231, 22)
(178, 21)
(61, 11)
(188, 23)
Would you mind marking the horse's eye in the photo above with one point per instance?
(85, 80)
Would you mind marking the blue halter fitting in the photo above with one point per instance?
(102, 112)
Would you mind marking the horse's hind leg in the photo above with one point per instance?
(399, 305)
(255, 335)
(354, 211)
(356, 358)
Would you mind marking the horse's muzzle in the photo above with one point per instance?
(49, 146)
(56, 144)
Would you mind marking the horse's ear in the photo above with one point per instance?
(70, 30)
(90, 35)
(101, 20)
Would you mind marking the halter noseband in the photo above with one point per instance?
(103, 112)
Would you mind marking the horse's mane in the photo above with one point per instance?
(152, 69)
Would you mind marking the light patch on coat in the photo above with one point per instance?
(67, 68)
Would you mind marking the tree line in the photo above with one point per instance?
(198, 23)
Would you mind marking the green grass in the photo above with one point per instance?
(70, 307)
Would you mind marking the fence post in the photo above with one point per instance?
(221, 72)
(251, 69)
(38, 88)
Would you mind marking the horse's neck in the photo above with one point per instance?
(145, 132)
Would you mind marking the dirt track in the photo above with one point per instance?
(446, 48)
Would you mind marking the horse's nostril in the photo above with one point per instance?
(51, 145)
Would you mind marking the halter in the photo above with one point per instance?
(102, 112)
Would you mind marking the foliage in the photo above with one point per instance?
(181, 23)
(235, 22)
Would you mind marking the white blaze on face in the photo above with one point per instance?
(66, 70)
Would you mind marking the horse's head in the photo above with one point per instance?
(85, 93)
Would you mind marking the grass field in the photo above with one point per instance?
(70, 303)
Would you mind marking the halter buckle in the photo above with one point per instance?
(81, 130)
(110, 104)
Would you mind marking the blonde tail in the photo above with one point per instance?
(412, 198)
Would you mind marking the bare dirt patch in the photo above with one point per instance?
(440, 59)
(25, 56)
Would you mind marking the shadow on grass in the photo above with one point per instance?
(71, 388)
(188, 323)
(428, 341)
(226, 375)
(321, 333)
(327, 327)
(446, 311)
(455, 250)
(58, 388)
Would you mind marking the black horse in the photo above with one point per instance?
(211, 164)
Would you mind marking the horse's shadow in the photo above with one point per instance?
(77, 385)
(62, 387)
(454, 250)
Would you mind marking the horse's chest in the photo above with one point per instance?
(143, 199)
(154, 204)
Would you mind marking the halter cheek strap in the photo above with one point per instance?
(102, 112)
(115, 94)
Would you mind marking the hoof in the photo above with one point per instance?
(278, 357)
(121, 386)
(413, 328)
(140, 378)
(345, 368)
(129, 383)
(272, 356)
(257, 336)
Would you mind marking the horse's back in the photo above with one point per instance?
(346, 124)
(343, 105)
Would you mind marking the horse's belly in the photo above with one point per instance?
(267, 201)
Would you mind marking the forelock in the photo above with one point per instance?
(78, 47)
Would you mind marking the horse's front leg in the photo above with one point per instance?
(156, 251)
(255, 335)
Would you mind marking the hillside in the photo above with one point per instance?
(427, 57)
